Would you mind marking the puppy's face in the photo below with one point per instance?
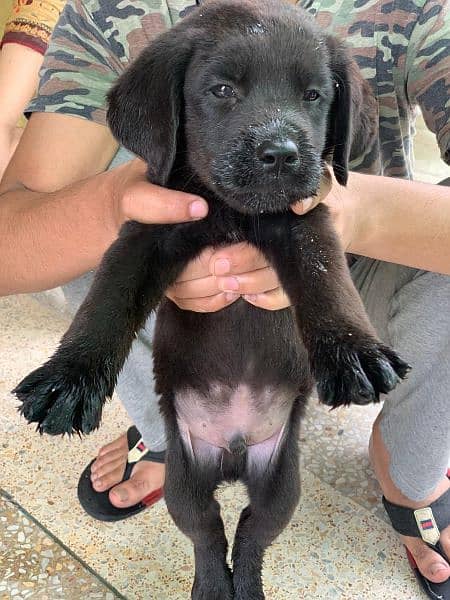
(253, 95)
(256, 110)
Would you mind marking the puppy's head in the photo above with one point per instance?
(253, 94)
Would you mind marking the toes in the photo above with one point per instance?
(346, 386)
(356, 373)
(63, 398)
(445, 541)
(129, 492)
(385, 369)
(120, 444)
(429, 563)
(108, 462)
(146, 478)
(108, 475)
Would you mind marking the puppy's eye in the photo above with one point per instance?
(223, 91)
(311, 95)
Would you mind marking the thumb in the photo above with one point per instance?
(150, 203)
(303, 206)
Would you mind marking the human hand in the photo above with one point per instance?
(217, 278)
(339, 200)
(134, 198)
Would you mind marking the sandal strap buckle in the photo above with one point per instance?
(426, 525)
(137, 451)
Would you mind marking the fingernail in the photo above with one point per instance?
(251, 297)
(229, 284)
(306, 204)
(198, 209)
(221, 266)
(229, 296)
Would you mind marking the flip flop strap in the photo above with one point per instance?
(424, 522)
(139, 451)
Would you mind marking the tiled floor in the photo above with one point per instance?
(338, 545)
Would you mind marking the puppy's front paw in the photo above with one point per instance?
(356, 372)
(63, 397)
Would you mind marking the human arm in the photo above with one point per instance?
(394, 220)
(59, 213)
(19, 67)
(24, 42)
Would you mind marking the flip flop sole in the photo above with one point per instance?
(98, 505)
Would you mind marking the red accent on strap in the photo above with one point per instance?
(448, 472)
(412, 562)
(153, 497)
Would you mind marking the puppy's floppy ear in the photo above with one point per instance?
(145, 103)
(352, 122)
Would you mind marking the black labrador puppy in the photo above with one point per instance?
(242, 103)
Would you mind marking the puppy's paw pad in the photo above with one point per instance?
(61, 399)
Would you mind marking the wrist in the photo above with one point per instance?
(359, 215)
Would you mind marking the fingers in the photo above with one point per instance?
(255, 282)
(303, 206)
(238, 258)
(206, 304)
(217, 278)
(276, 299)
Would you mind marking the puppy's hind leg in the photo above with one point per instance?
(274, 494)
(189, 494)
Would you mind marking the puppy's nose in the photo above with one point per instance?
(276, 155)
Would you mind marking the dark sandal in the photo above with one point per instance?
(424, 523)
(98, 505)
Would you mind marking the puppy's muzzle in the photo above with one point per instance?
(278, 156)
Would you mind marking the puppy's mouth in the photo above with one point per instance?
(259, 199)
(249, 191)
(255, 176)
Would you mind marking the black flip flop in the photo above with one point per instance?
(424, 523)
(98, 505)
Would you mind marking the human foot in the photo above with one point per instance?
(430, 567)
(431, 564)
(107, 473)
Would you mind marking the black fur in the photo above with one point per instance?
(164, 109)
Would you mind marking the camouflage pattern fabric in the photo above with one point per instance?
(402, 47)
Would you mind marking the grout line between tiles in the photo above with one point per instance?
(8, 498)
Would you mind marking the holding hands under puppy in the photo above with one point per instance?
(367, 225)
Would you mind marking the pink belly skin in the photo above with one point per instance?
(208, 422)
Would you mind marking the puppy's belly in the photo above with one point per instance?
(208, 422)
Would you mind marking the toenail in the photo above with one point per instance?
(122, 494)
(437, 568)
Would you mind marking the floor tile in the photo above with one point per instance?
(34, 565)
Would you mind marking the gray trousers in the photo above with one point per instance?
(410, 310)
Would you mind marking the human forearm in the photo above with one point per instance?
(49, 239)
(400, 221)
